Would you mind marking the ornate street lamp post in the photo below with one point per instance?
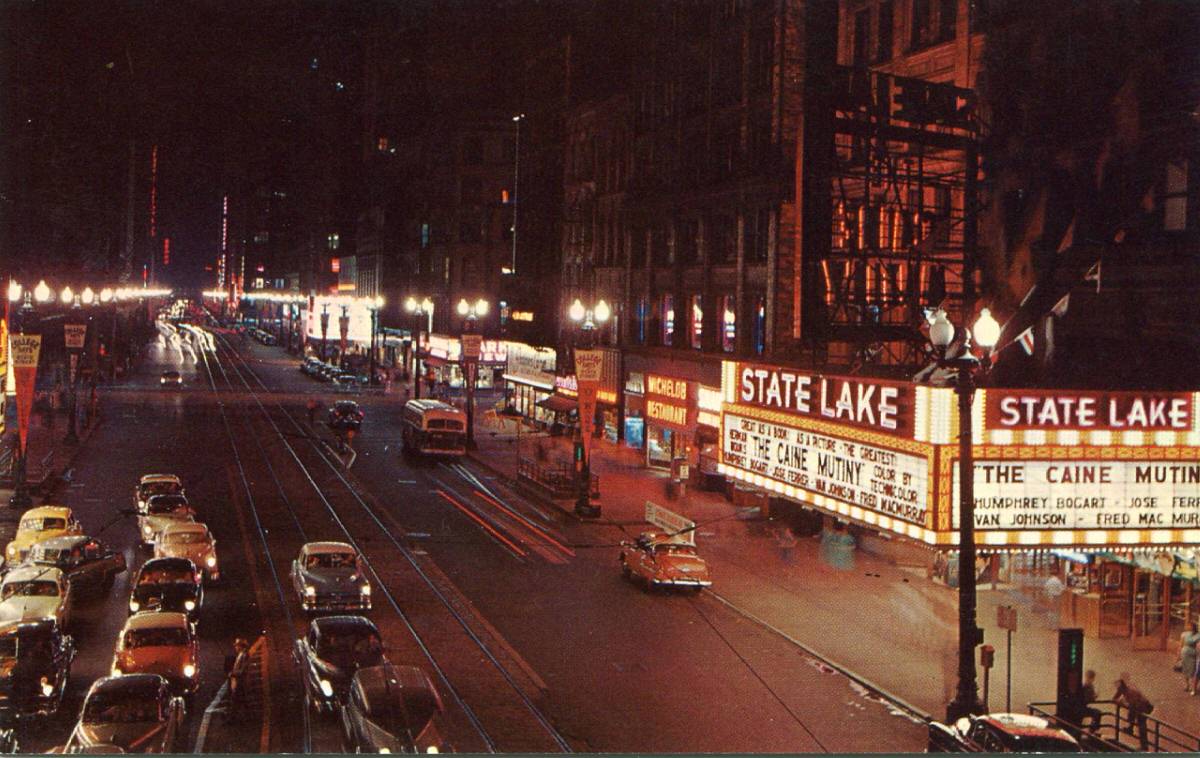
(469, 353)
(585, 339)
(965, 367)
(423, 310)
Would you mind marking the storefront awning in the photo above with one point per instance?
(559, 403)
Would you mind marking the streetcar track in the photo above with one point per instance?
(445, 602)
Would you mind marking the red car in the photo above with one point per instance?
(660, 561)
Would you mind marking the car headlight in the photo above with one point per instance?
(47, 688)
(147, 530)
(210, 561)
(310, 591)
(11, 550)
(134, 606)
(366, 590)
(116, 671)
(189, 670)
(432, 749)
(326, 688)
(189, 605)
(384, 751)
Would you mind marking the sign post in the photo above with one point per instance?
(75, 336)
(472, 345)
(676, 527)
(1006, 618)
(25, 349)
(589, 369)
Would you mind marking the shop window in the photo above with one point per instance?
(668, 319)
(697, 317)
(760, 326)
(1175, 197)
(728, 323)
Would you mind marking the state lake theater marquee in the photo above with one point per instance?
(1053, 468)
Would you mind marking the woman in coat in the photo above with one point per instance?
(1187, 657)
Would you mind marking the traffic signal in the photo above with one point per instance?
(579, 456)
(1070, 665)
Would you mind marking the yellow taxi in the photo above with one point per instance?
(37, 524)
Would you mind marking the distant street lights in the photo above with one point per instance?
(469, 353)
(965, 367)
(423, 310)
(587, 319)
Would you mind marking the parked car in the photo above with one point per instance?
(136, 714)
(171, 379)
(156, 484)
(39, 524)
(167, 584)
(31, 593)
(35, 666)
(329, 576)
(660, 561)
(1000, 733)
(163, 643)
(85, 561)
(192, 540)
(393, 709)
(345, 414)
(333, 649)
(162, 510)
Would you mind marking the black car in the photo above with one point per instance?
(1000, 733)
(135, 713)
(35, 665)
(345, 414)
(334, 648)
(393, 709)
(168, 584)
(86, 562)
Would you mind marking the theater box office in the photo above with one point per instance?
(1111, 477)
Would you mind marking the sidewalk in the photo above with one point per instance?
(890, 625)
(48, 456)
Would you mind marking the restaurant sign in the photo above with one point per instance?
(875, 404)
(669, 402)
(1058, 494)
(888, 482)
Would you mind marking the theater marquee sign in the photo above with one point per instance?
(1052, 468)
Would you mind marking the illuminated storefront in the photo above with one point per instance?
(442, 356)
(529, 379)
(1086, 473)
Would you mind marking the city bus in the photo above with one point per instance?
(432, 427)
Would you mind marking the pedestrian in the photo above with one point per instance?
(312, 411)
(1188, 658)
(785, 538)
(1139, 707)
(238, 669)
(1087, 696)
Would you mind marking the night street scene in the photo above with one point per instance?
(599, 376)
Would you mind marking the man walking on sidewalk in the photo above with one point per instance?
(785, 538)
(238, 669)
(1139, 708)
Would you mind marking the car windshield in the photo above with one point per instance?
(408, 712)
(359, 646)
(51, 555)
(167, 504)
(33, 588)
(329, 561)
(670, 548)
(158, 488)
(346, 407)
(42, 524)
(442, 423)
(25, 646)
(171, 374)
(166, 575)
(119, 708)
(185, 538)
(171, 636)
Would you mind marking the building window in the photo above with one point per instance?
(668, 319)
(697, 317)
(947, 19)
(887, 22)
(862, 37)
(261, 238)
(643, 310)
(728, 323)
(424, 235)
(760, 326)
(922, 24)
(756, 235)
(381, 144)
(333, 241)
(1175, 197)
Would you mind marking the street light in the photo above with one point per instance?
(106, 295)
(41, 292)
(419, 308)
(89, 296)
(67, 295)
(470, 312)
(965, 367)
(587, 319)
(512, 268)
(14, 291)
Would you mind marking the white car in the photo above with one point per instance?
(30, 593)
(161, 512)
(156, 484)
(330, 576)
(190, 539)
